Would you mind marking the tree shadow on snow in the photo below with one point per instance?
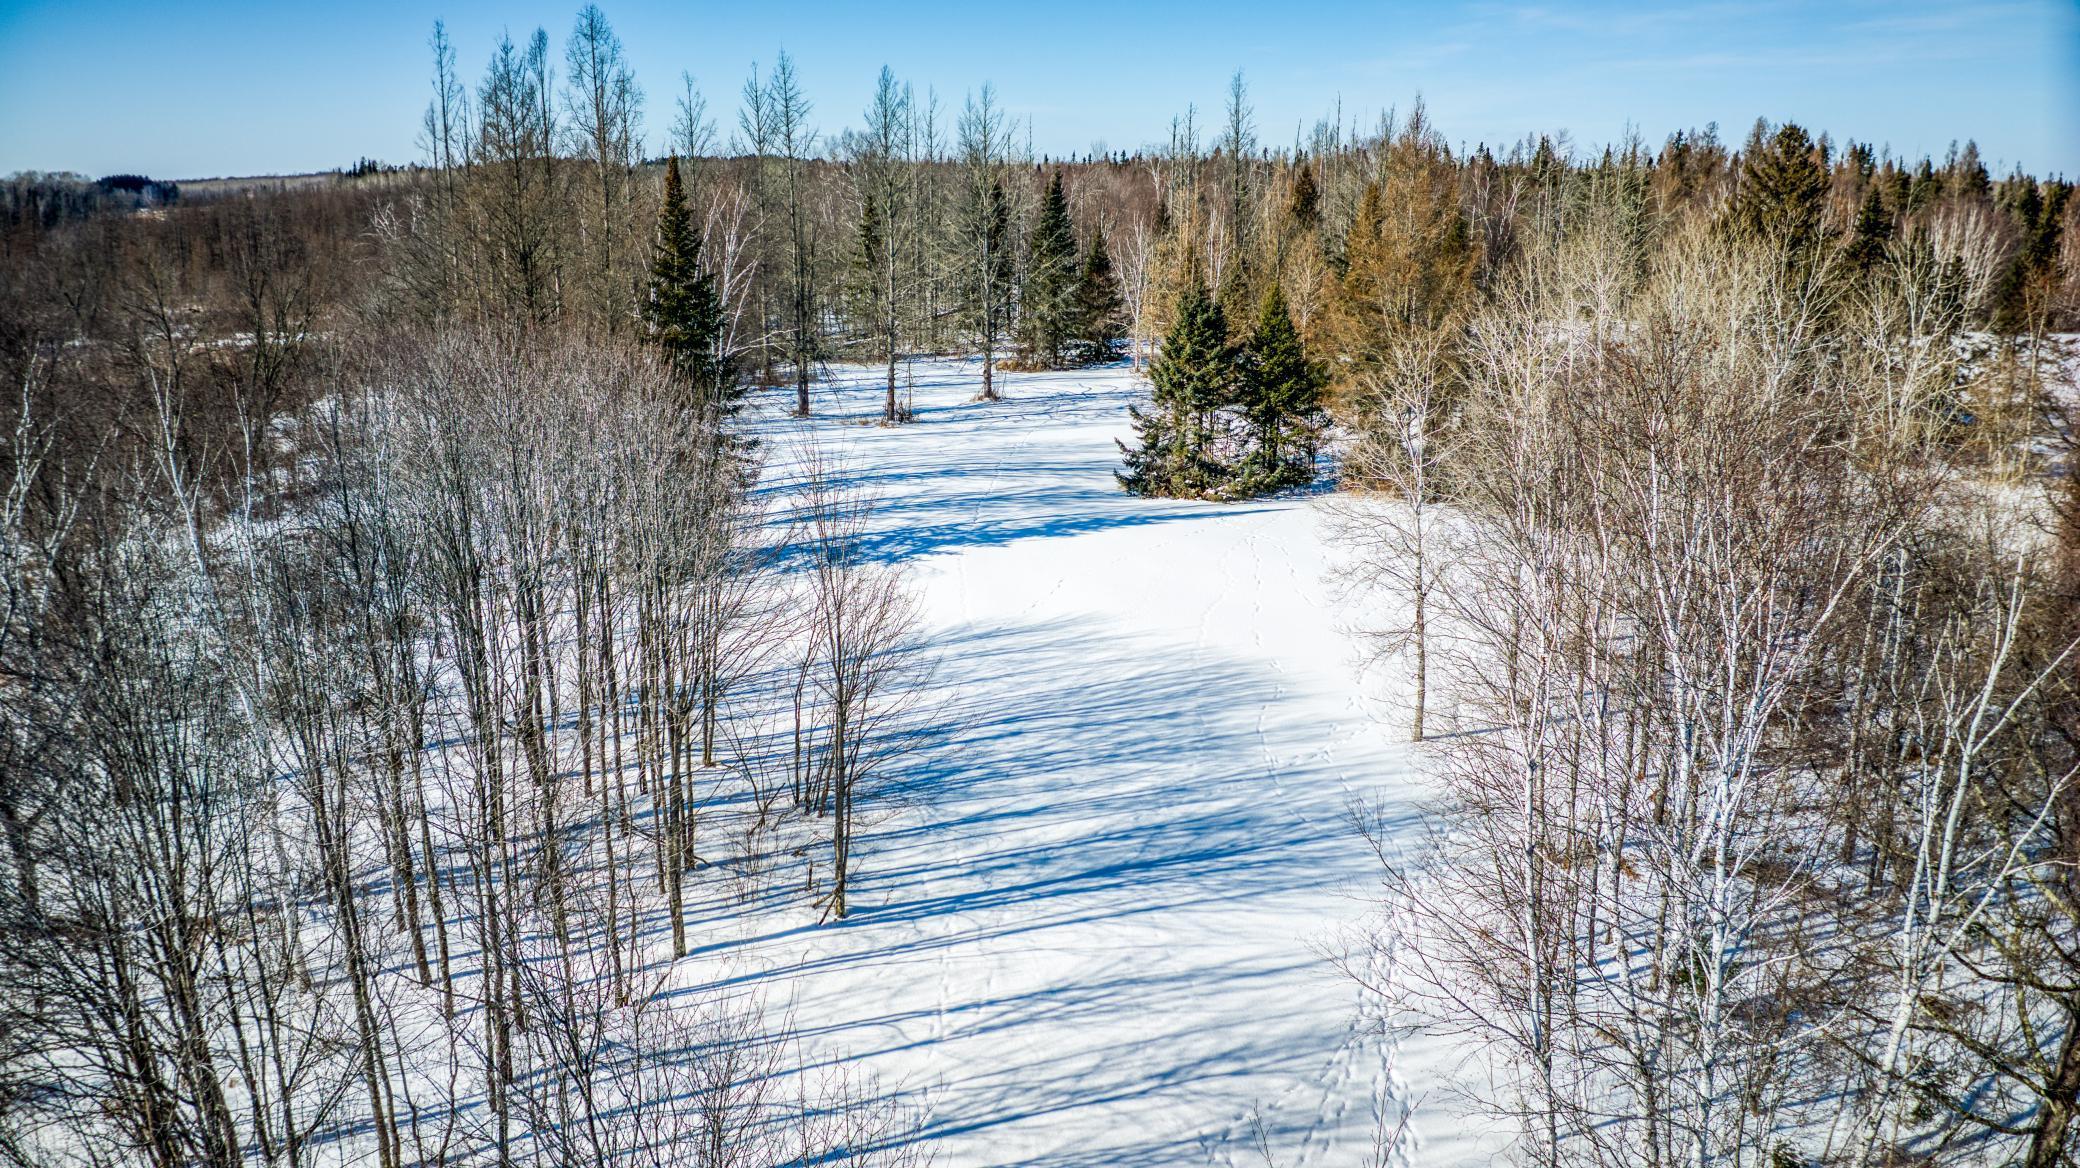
(964, 475)
(1122, 784)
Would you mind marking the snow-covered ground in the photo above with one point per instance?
(1092, 915)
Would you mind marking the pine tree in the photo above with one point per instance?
(1098, 308)
(1048, 312)
(1281, 394)
(683, 312)
(1193, 377)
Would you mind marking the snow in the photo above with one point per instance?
(1094, 913)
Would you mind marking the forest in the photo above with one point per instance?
(410, 624)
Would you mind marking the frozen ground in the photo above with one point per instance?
(1090, 916)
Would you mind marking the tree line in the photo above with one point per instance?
(900, 236)
(1725, 526)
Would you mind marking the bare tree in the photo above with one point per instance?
(1398, 542)
(514, 167)
(860, 657)
(882, 165)
(985, 227)
(603, 106)
(796, 142)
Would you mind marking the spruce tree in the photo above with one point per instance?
(1281, 394)
(2022, 298)
(868, 257)
(1233, 295)
(683, 313)
(1873, 231)
(1894, 183)
(1098, 307)
(1047, 317)
(1305, 205)
(1966, 175)
(1782, 189)
(987, 283)
(1924, 187)
(1149, 459)
(1861, 160)
(871, 288)
(1196, 368)
(1193, 377)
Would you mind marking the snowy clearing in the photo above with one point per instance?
(1092, 915)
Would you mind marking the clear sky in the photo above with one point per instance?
(196, 88)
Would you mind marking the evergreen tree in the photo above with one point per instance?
(1196, 369)
(1149, 460)
(683, 312)
(869, 263)
(1193, 377)
(1281, 394)
(1047, 318)
(1873, 230)
(879, 160)
(1233, 295)
(1897, 186)
(1405, 274)
(2026, 288)
(1966, 175)
(1782, 190)
(1003, 264)
(1862, 161)
(987, 281)
(2039, 212)
(1098, 308)
(1923, 188)
(1305, 205)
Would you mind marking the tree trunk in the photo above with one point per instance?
(2048, 1144)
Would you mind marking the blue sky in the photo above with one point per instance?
(193, 88)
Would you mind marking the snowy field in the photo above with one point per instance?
(1093, 914)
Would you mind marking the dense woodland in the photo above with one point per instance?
(393, 600)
